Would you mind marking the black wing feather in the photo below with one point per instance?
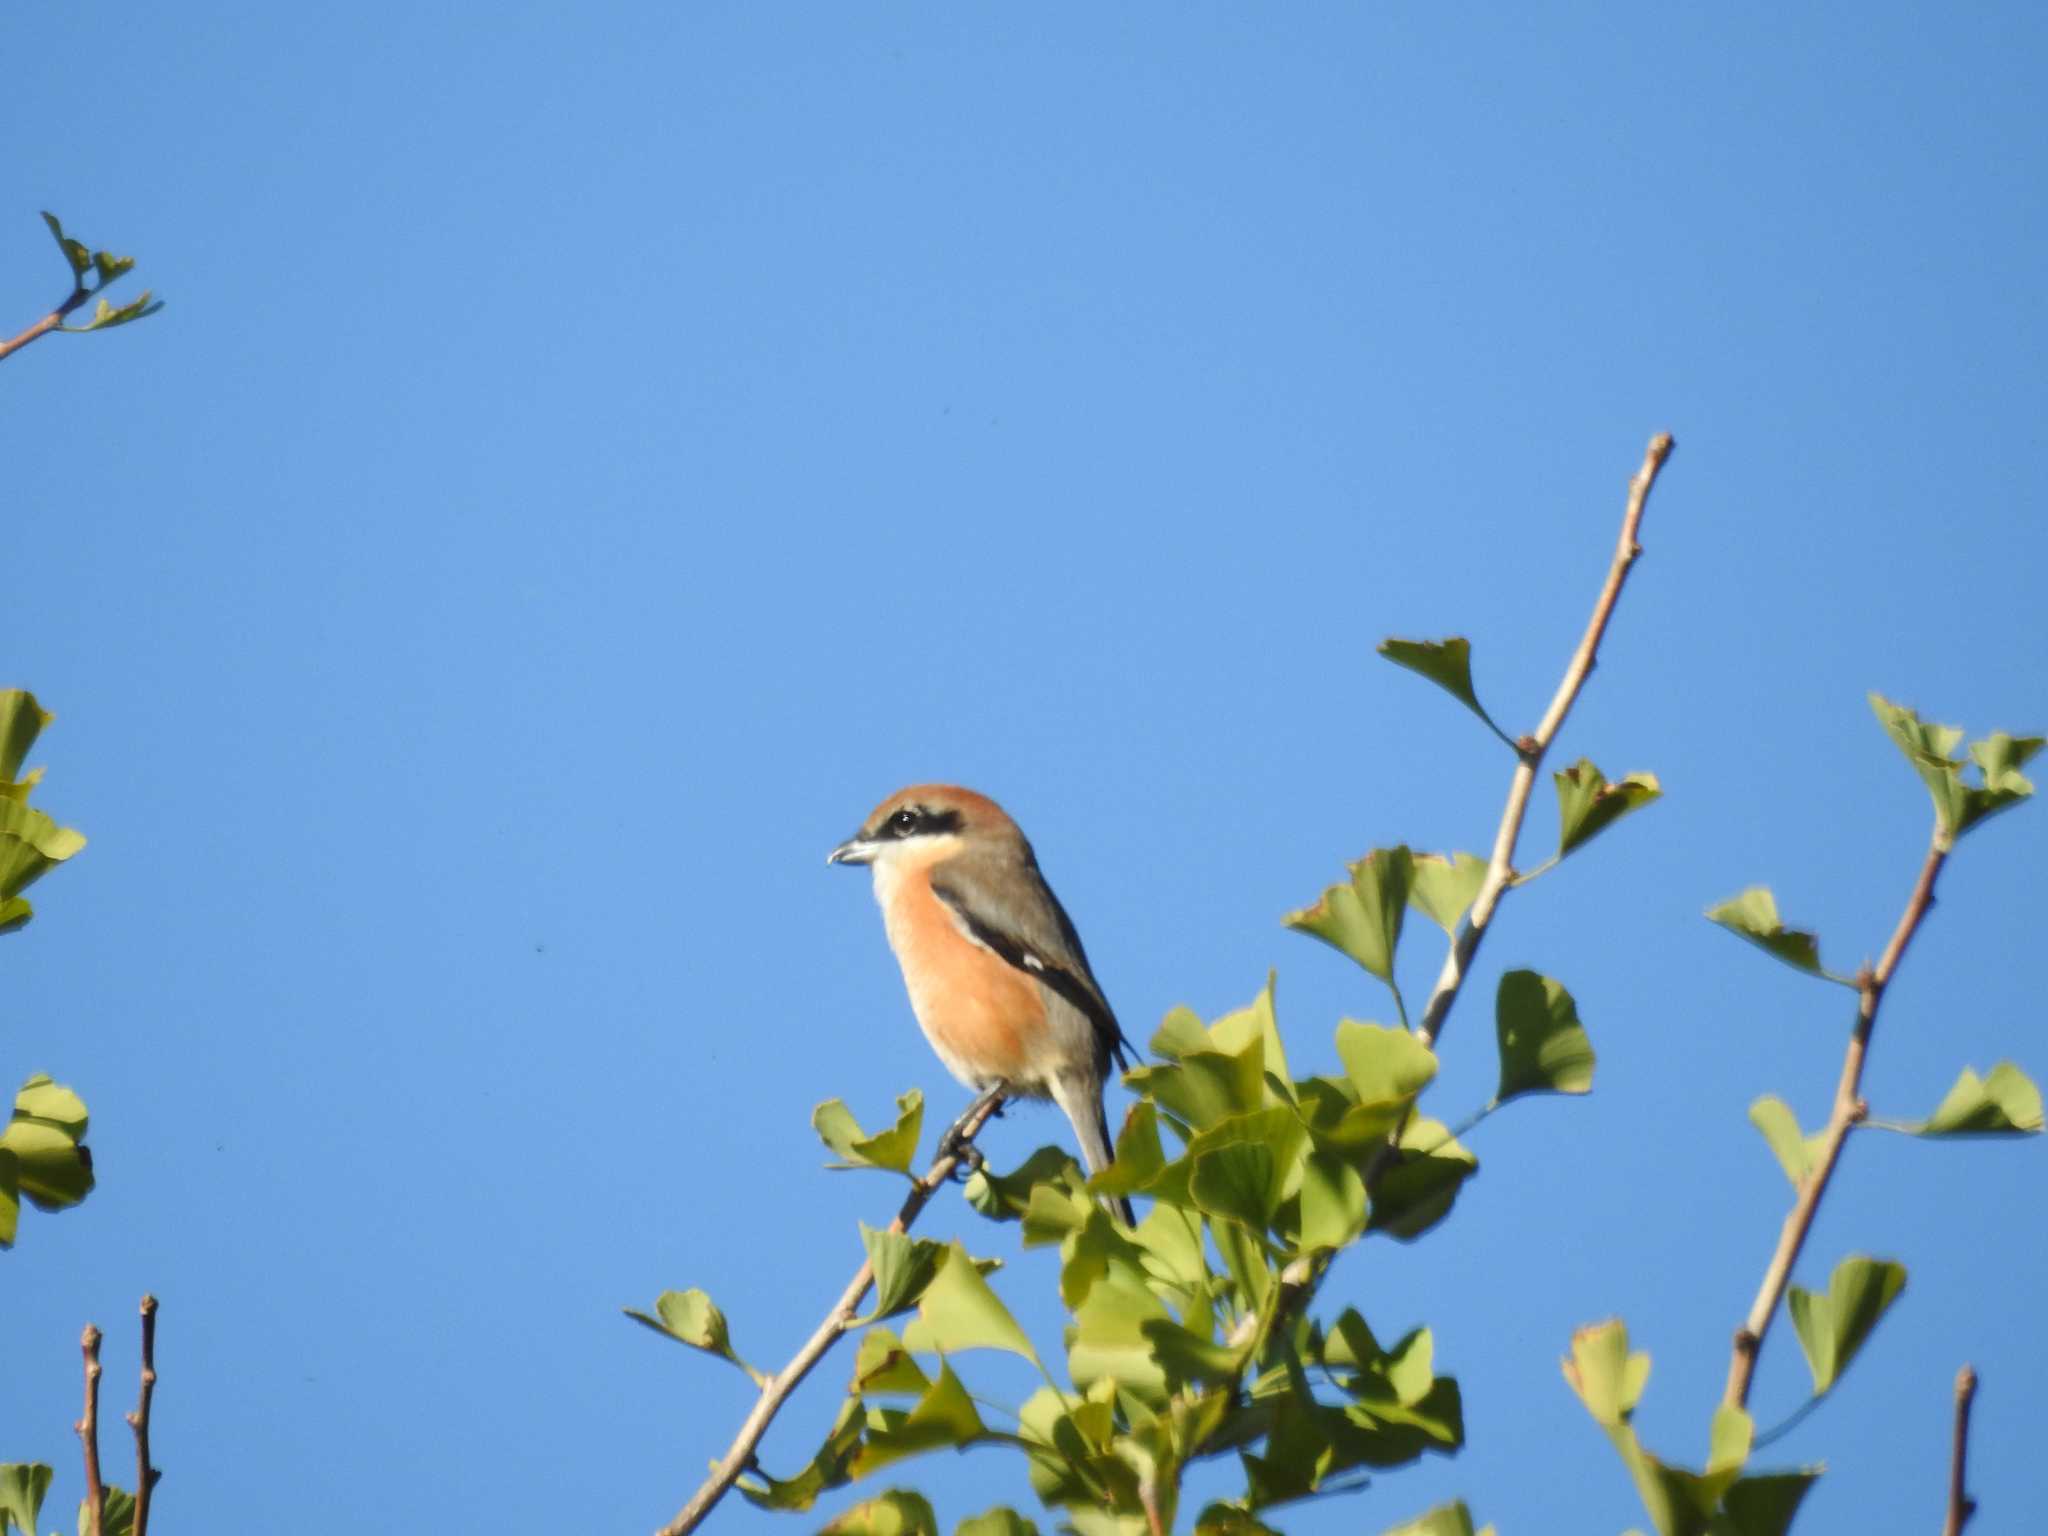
(1082, 991)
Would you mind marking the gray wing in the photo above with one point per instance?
(1034, 935)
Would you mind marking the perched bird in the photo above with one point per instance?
(994, 968)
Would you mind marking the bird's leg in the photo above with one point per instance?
(968, 1158)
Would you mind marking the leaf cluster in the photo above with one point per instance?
(42, 1153)
(106, 268)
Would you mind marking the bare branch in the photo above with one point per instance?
(740, 1455)
(1960, 1505)
(95, 1511)
(1500, 870)
(145, 1474)
(1849, 1111)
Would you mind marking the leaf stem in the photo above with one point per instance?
(1849, 1112)
(1790, 1422)
(837, 1322)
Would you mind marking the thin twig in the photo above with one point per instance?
(1849, 1111)
(1960, 1505)
(95, 1512)
(145, 1474)
(1301, 1277)
(1500, 869)
(740, 1455)
(49, 322)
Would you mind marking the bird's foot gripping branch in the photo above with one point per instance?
(1198, 1332)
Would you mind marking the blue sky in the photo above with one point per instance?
(592, 454)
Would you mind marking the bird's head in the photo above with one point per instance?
(924, 824)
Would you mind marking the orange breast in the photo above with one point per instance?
(985, 1018)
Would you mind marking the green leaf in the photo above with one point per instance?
(899, 1512)
(1386, 1065)
(110, 266)
(692, 1318)
(1187, 1356)
(1088, 1520)
(1242, 1166)
(22, 719)
(1244, 1259)
(74, 253)
(943, 1418)
(1730, 1439)
(1958, 804)
(890, 1150)
(1419, 1186)
(1587, 804)
(1607, 1377)
(1444, 888)
(1363, 919)
(10, 1197)
(1795, 1152)
(1000, 1521)
(1764, 1505)
(117, 1515)
(1543, 1047)
(2003, 1102)
(1203, 1079)
(31, 844)
(1833, 1327)
(1234, 1032)
(42, 1142)
(1452, 1519)
(22, 1487)
(105, 316)
(1448, 664)
(903, 1267)
(1006, 1196)
(1229, 1520)
(14, 913)
(1109, 1338)
(958, 1311)
(1140, 1158)
(1333, 1202)
(883, 1366)
(1754, 916)
(827, 1468)
(1056, 1211)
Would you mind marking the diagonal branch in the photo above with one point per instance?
(1301, 1276)
(49, 322)
(1849, 1112)
(1960, 1505)
(1500, 869)
(953, 1149)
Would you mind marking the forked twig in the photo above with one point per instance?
(1849, 1111)
(1529, 751)
(1300, 1276)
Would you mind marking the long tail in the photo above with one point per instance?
(1081, 1098)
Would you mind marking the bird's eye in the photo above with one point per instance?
(903, 823)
